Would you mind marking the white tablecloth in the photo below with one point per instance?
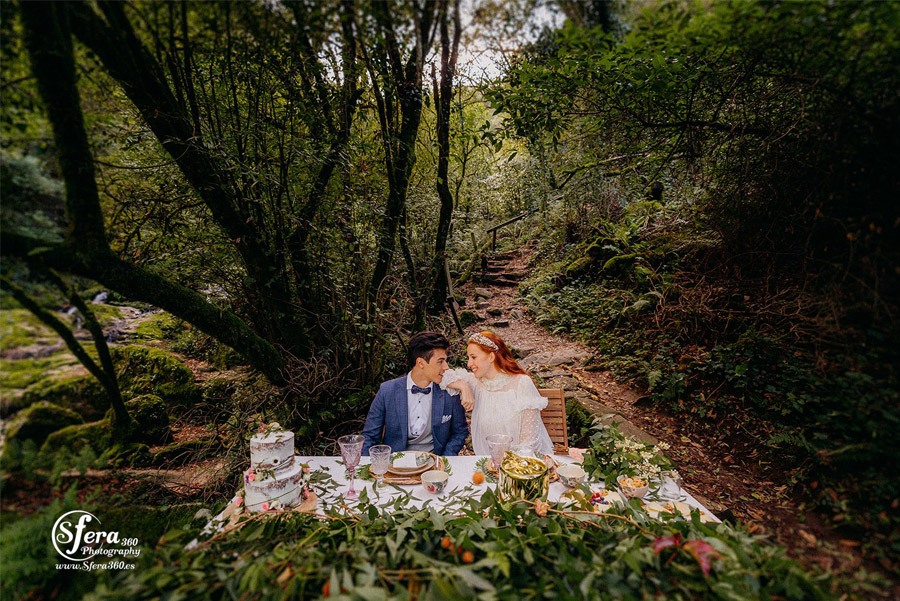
(459, 483)
(459, 487)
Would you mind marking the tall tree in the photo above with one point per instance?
(397, 87)
(443, 94)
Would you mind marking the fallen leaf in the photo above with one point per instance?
(808, 537)
(540, 508)
(285, 575)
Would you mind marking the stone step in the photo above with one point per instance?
(498, 280)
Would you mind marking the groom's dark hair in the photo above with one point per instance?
(423, 345)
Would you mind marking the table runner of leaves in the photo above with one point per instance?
(473, 548)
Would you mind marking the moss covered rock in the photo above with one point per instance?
(144, 370)
(217, 391)
(181, 453)
(39, 421)
(131, 454)
(151, 421)
(31, 427)
(95, 435)
(467, 318)
(140, 370)
(579, 267)
(81, 393)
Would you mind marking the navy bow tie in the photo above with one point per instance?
(416, 390)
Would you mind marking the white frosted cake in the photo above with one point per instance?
(276, 478)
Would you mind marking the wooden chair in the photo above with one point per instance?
(554, 418)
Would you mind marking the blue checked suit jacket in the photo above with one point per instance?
(389, 414)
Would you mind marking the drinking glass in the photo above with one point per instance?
(498, 444)
(351, 449)
(380, 455)
(671, 485)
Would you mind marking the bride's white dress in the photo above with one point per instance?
(505, 404)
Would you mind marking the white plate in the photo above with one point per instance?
(655, 508)
(413, 458)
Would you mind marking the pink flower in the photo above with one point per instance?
(700, 550)
(265, 507)
(251, 477)
(703, 552)
(664, 542)
(238, 501)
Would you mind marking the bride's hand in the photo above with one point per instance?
(467, 399)
(466, 396)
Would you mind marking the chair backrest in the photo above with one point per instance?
(554, 418)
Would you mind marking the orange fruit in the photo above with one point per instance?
(446, 543)
(468, 557)
(478, 478)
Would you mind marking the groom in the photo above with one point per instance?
(412, 413)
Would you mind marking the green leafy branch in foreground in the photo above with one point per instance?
(479, 548)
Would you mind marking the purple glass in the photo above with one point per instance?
(351, 450)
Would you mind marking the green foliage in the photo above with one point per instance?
(612, 454)
(579, 424)
(515, 553)
(29, 559)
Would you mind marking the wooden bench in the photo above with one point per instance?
(554, 418)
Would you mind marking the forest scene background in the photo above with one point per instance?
(266, 195)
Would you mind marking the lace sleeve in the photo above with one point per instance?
(530, 429)
(452, 375)
(527, 395)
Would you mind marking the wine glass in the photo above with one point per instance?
(498, 444)
(351, 449)
(380, 455)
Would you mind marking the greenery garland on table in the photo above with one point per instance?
(612, 454)
(473, 548)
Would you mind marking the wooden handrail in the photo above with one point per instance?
(504, 224)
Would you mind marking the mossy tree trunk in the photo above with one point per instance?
(86, 251)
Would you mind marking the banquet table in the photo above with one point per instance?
(329, 482)
(459, 485)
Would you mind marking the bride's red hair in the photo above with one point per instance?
(503, 357)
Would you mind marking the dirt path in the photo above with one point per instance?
(723, 478)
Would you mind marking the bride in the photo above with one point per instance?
(505, 398)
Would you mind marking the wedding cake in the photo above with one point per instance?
(276, 478)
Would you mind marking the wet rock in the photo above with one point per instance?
(554, 359)
(495, 311)
(483, 293)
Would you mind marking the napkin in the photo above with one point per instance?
(406, 460)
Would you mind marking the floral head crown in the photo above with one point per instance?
(483, 340)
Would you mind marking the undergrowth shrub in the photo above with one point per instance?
(742, 364)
